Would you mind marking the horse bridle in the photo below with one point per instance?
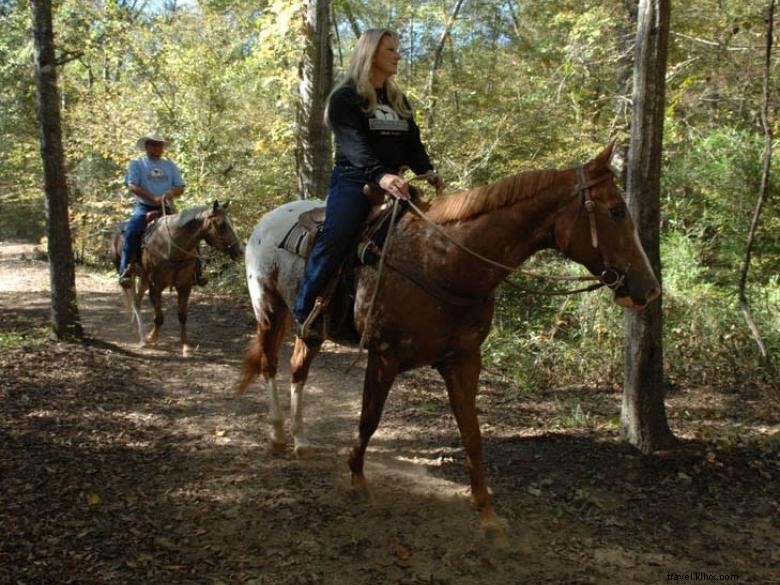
(235, 245)
(609, 277)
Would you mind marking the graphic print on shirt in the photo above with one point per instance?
(157, 174)
(387, 121)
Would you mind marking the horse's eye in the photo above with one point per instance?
(617, 213)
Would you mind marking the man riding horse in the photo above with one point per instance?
(156, 182)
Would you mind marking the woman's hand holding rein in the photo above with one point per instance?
(395, 185)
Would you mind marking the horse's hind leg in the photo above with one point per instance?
(155, 296)
(381, 371)
(183, 298)
(262, 356)
(299, 371)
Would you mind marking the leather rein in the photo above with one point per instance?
(610, 277)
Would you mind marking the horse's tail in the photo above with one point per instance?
(252, 367)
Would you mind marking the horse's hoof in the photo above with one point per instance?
(303, 449)
(496, 530)
(359, 487)
(186, 351)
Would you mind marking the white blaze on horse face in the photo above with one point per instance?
(641, 280)
(641, 248)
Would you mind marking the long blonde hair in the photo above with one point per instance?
(359, 73)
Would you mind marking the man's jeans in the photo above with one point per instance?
(134, 231)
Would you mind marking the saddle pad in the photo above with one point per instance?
(297, 240)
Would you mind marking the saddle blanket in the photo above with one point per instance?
(297, 240)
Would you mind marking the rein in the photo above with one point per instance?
(609, 278)
(187, 253)
(171, 243)
(583, 186)
(370, 312)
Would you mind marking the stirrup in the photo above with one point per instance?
(126, 279)
(311, 330)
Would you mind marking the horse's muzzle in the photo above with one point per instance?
(636, 297)
(235, 251)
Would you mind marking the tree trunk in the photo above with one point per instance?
(313, 149)
(626, 36)
(66, 324)
(643, 417)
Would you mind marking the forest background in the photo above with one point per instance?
(515, 85)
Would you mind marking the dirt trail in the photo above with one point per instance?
(121, 464)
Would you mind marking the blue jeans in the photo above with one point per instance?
(346, 210)
(134, 231)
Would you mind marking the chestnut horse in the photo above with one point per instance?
(437, 295)
(168, 258)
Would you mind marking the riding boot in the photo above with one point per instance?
(126, 278)
(311, 331)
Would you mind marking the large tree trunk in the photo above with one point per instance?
(313, 150)
(66, 324)
(643, 416)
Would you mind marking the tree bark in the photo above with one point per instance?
(66, 324)
(643, 419)
(626, 36)
(313, 150)
(762, 193)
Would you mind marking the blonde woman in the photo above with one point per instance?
(376, 137)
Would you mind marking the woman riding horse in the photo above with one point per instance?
(375, 136)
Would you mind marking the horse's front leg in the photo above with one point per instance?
(461, 374)
(134, 296)
(381, 371)
(299, 372)
(155, 296)
(183, 299)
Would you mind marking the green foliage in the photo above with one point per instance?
(520, 85)
(23, 337)
(711, 187)
(705, 337)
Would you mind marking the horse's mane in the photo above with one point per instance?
(490, 197)
(188, 215)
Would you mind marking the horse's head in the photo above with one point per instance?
(219, 233)
(596, 230)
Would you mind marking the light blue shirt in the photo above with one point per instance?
(156, 176)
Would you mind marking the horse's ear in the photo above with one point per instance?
(605, 155)
(215, 206)
(227, 203)
(603, 158)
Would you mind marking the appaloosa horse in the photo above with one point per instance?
(168, 258)
(436, 299)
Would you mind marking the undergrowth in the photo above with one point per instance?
(539, 341)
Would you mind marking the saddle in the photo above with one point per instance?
(338, 298)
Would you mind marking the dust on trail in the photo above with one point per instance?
(121, 464)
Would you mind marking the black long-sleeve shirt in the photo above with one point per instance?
(379, 142)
